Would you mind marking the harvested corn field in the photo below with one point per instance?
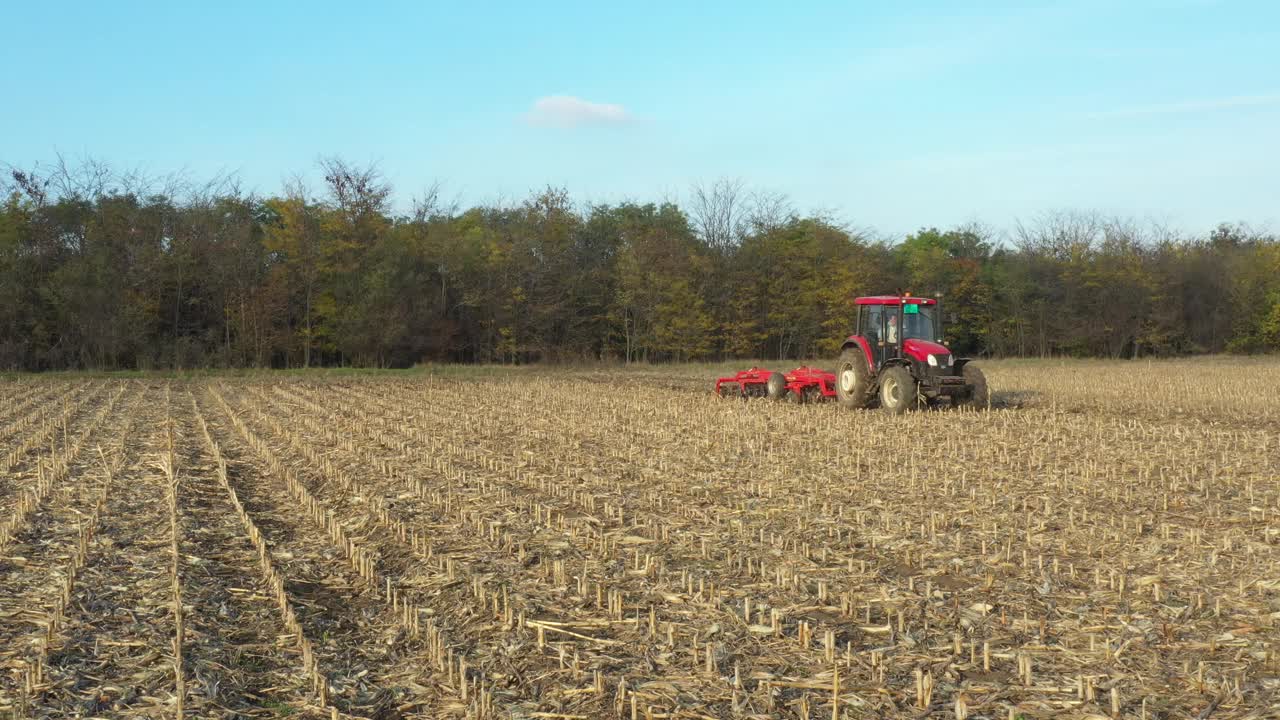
(532, 543)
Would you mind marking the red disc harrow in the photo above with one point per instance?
(804, 384)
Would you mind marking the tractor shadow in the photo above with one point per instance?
(1014, 399)
(1001, 400)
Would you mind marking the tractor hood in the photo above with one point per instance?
(921, 349)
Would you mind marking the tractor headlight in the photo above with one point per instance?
(936, 361)
(933, 360)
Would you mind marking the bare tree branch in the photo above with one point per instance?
(719, 213)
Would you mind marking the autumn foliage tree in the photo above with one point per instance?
(106, 270)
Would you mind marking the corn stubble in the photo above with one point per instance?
(1101, 543)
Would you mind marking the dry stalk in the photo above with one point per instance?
(271, 577)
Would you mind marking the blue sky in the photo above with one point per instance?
(890, 116)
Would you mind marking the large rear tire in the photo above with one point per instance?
(853, 379)
(897, 390)
(980, 396)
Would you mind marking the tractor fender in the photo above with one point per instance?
(901, 362)
(859, 341)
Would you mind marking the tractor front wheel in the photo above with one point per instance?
(897, 390)
(852, 379)
(979, 395)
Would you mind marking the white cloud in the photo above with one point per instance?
(567, 111)
(1191, 106)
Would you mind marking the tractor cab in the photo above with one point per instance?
(898, 358)
(893, 328)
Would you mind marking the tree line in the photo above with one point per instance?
(103, 270)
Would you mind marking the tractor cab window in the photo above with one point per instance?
(873, 323)
(920, 324)
(879, 324)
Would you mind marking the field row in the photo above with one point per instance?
(503, 548)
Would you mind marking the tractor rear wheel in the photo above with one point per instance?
(853, 381)
(897, 390)
(979, 396)
(777, 386)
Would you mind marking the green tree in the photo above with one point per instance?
(658, 296)
(293, 238)
(951, 264)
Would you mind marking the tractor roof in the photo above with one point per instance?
(894, 300)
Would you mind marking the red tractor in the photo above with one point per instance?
(896, 359)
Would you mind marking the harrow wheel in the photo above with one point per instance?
(777, 386)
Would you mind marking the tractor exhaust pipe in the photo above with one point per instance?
(937, 310)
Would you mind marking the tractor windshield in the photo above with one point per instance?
(920, 325)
